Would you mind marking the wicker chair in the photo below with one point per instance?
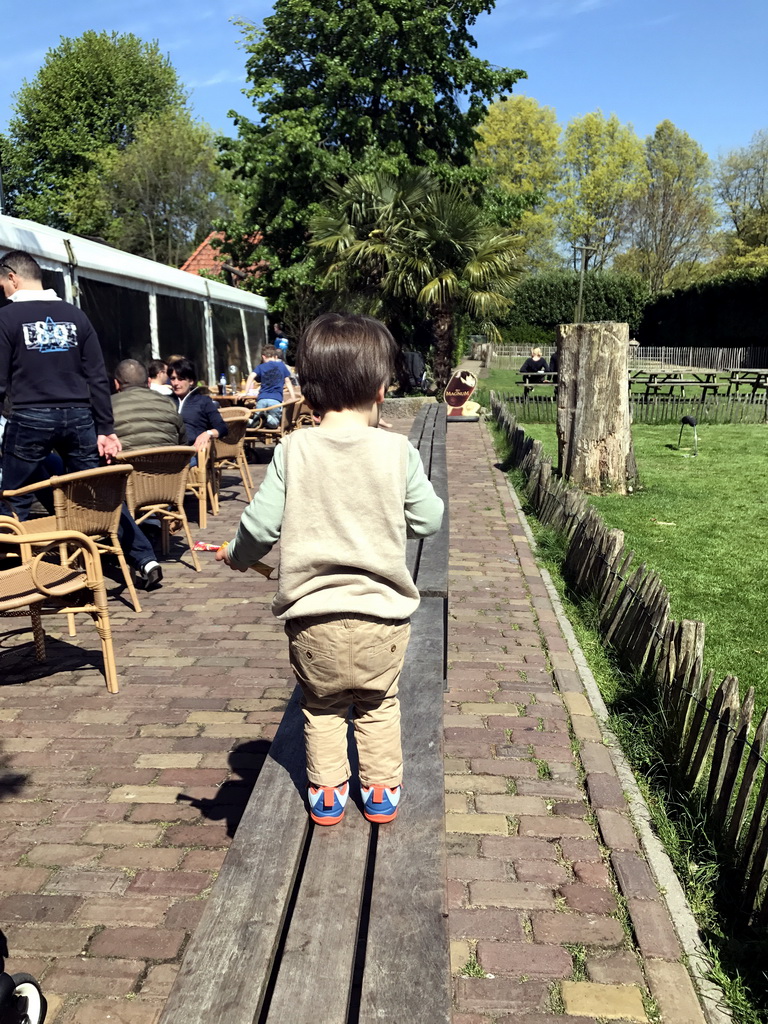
(230, 452)
(156, 488)
(202, 483)
(34, 581)
(88, 502)
(271, 435)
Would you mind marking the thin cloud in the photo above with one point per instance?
(538, 42)
(220, 78)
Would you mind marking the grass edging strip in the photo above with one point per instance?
(671, 890)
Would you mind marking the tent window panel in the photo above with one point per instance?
(181, 331)
(255, 325)
(120, 317)
(228, 343)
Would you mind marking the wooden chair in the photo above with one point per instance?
(230, 451)
(201, 482)
(304, 415)
(271, 435)
(36, 580)
(156, 487)
(88, 502)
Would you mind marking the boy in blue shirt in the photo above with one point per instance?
(272, 375)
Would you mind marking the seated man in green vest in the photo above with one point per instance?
(143, 418)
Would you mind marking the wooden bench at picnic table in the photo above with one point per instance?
(754, 378)
(324, 925)
(533, 380)
(706, 380)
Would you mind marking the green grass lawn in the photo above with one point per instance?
(702, 524)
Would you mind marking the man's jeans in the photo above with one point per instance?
(30, 437)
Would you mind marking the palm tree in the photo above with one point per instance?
(408, 238)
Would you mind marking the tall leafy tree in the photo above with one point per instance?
(89, 95)
(407, 238)
(604, 174)
(674, 217)
(519, 144)
(741, 183)
(340, 88)
(161, 194)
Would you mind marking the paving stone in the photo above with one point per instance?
(22, 879)
(460, 953)
(616, 830)
(501, 994)
(476, 923)
(616, 968)
(487, 803)
(144, 794)
(653, 929)
(605, 791)
(86, 882)
(578, 705)
(101, 1011)
(93, 976)
(515, 895)
(131, 911)
(159, 981)
(149, 943)
(170, 883)
(518, 848)
(544, 872)
(586, 929)
(591, 873)
(524, 958)
(672, 988)
(477, 823)
(470, 784)
(634, 876)
(611, 1002)
(553, 828)
(39, 908)
(474, 868)
(588, 899)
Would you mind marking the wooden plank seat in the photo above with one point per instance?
(654, 386)
(308, 924)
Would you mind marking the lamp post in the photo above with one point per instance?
(579, 313)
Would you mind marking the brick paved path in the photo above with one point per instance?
(548, 891)
(104, 872)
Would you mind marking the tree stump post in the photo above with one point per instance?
(594, 439)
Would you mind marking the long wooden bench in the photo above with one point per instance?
(342, 925)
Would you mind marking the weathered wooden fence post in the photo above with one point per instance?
(594, 440)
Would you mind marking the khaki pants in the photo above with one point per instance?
(354, 660)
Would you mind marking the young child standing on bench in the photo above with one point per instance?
(342, 499)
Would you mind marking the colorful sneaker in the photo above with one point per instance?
(380, 802)
(327, 803)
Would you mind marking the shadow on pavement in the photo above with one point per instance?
(230, 802)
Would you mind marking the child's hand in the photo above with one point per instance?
(222, 556)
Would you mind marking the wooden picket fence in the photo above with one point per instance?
(710, 732)
(655, 410)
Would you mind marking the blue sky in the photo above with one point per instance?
(700, 63)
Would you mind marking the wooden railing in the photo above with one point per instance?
(712, 738)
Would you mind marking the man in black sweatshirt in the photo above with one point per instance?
(52, 369)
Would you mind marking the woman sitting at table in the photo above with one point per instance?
(200, 413)
(534, 365)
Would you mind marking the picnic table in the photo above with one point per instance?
(706, 380)
(754, 378)
(533, 380)
(327, 925)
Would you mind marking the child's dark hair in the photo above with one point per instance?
(155, 367)
(343, 360)
(269, 352)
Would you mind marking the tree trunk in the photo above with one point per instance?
(442, 328)
(594, 440)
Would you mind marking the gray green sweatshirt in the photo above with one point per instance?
(342, 503)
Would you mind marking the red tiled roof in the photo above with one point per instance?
(211, 259)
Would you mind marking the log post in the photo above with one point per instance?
(594, 440)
